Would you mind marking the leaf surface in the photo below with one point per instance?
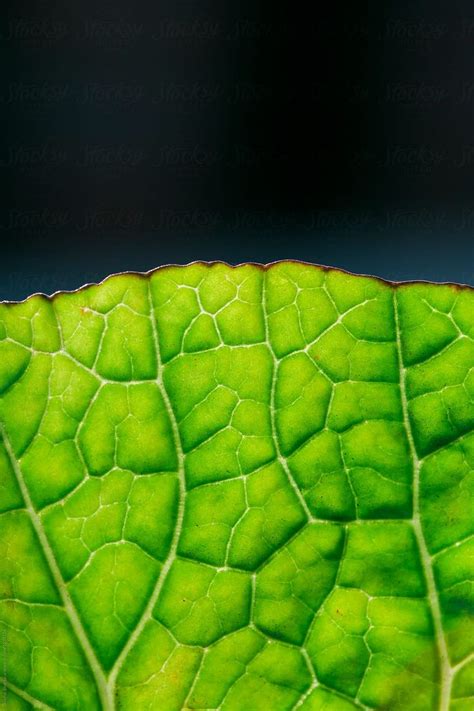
(238, 488)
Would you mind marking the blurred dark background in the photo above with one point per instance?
(135, 136)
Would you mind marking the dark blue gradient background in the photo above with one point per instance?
(237, 131)
(56, 263)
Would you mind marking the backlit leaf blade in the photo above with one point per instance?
(238, 488)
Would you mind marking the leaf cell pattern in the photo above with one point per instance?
(238, 488)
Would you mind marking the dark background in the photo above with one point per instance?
(135, 136)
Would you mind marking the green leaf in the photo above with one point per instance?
(245, 489)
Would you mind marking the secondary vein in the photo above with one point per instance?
(425, 557)
(148, 611)
(282, 460)
(35, 703)
(68, 604)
